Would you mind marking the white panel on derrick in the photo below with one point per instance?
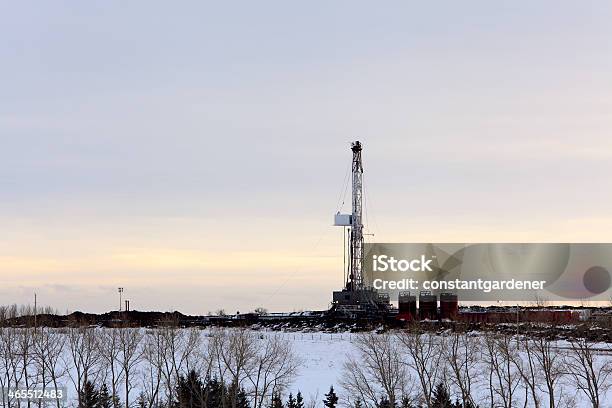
(343, 220)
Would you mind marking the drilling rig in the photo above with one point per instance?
(357, 298)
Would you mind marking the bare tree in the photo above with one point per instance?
(313, 400)
(235, 353)
(462, 354)
(84, 357)
(589, 369)
(153, 373)
(549, 363)
(48, 349)
(24, 364)
(8, 353)
(377, 369)
(192, 353)
(527, 370)
(425, 357)
(168, 351)
(129, 356)
(109, 352)
(274, 368)
(499, 355)
(176, 346)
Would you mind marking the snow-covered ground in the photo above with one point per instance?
(322, 356)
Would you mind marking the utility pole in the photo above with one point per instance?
(517, 323)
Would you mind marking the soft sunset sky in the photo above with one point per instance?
(195, 152)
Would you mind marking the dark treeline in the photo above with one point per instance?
(28, 316)
(190, 391)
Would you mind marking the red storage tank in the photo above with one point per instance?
(428, 306)
(449, 306)
(407, 305)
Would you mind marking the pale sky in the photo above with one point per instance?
(195, 153)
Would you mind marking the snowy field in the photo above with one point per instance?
(321, 357)
(324, 354)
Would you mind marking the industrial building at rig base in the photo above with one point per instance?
(448, 310)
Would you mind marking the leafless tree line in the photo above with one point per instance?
(479, 369)
(141, 367)
(14, 311)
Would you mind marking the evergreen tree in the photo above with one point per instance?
(189, 392)
(291, 401)
(299, 401)
(141, 402)
(358, 404)
(441, 397)
(276, 401)
(234, 396)
(469, 404)
(105, 400)
(384, 403)
(459, 404)
(90, 398)
(231, 395)
(192, 392)
(331, 399)
(406, 403)
(213, 394)
(242, 400)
